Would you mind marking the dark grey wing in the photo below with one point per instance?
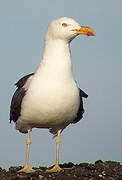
(16, 101)
(23, 80)
(81, 109)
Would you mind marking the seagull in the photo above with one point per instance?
(50, 97)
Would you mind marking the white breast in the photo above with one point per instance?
(49, 104)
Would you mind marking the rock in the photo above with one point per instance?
(100, 170)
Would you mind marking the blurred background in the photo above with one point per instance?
(97, 66)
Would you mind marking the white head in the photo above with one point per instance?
(66, 29)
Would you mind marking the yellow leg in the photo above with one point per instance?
(26, 168)
(56, 168)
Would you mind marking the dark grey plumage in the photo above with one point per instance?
(15, 108)
(81, 109)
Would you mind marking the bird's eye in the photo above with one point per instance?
(64, 24)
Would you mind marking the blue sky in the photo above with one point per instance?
(97, 67)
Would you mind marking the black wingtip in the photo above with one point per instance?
(83, 94)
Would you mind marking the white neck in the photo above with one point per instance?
(56, 58)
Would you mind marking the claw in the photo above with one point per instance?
(56, 168)
(26, 169)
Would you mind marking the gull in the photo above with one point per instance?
(50, 97)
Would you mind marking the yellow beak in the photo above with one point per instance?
(85, 30)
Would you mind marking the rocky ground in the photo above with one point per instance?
(84, 171)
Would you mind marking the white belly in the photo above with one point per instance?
(50, 105)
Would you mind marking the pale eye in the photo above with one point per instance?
(64, 24)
